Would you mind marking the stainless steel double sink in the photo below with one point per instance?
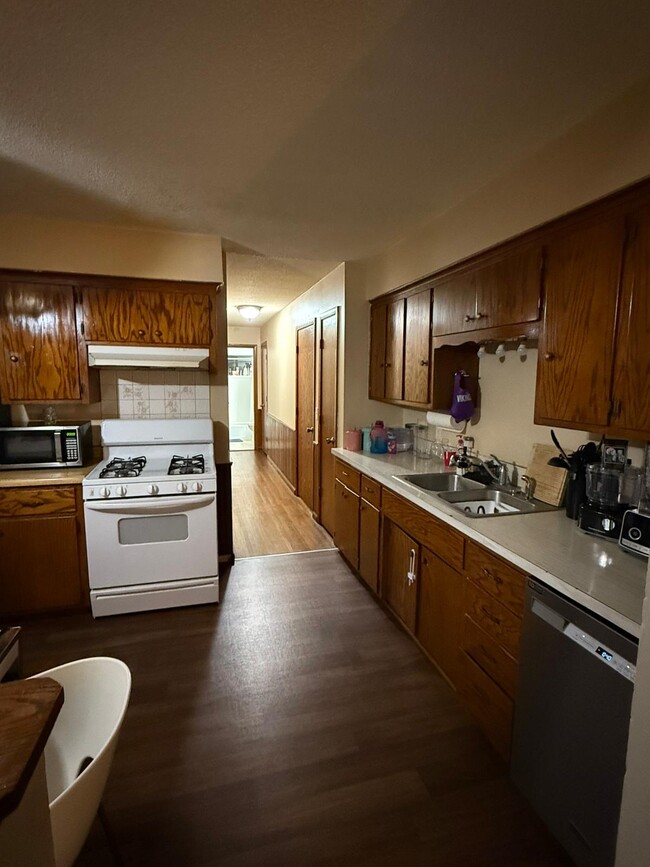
(472, 498)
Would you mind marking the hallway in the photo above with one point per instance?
(267, 517)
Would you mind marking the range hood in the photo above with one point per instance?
(105, 355)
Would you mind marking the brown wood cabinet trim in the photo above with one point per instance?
(493, 618)
(40, 502)
(371, 491)
(490, 656)
(106, 281)
(496, 576)
(347, 475)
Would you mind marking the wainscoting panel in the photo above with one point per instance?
(280, 447)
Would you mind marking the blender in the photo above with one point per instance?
(602, 513)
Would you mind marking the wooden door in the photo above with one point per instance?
(417, 353)
(509, 291)
(630, 403)
(264, 348)
(454, 304)
(399, 558)
(395, 350)
(305, 408)
(377, 377)
(346, 506)
(328, 396)
(440, 610)
(577, 342)
(369, 544)
(39, 343)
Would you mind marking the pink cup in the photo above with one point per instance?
(352, 440)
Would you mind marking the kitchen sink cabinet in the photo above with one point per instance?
(400, 564)
(147, 316)
(42, 550)
(41, 358)
(347, 522)
(440, 608)
(357, 521)
(576, 347)
(504, 292)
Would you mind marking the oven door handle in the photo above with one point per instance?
(150, 505)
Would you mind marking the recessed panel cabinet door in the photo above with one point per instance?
(577, 341)
(347, 523)
(439, 613)
(418, 348)
(399, 573)
(395, 350)
(368, 543)
(509, 291)
(454, 304)
(630, 398)
(39, 342)
(377, 378)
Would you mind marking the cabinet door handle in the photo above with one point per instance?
(469, 317)
(491, 617)
(549, 356)
(388, 364)
(492, 577)
(13, 358)
(424, 362)
(481, 315)
(411, 572)
(140, 332)
(329, 440)
(158, 333)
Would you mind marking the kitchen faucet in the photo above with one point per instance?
(497, 469)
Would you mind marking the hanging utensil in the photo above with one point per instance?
(556, 442)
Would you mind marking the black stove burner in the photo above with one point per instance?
(121, 468)
(186, 466)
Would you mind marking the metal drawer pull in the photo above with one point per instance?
(491, 617)
(411, 572)
(492, 577)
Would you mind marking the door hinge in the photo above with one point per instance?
(82, 328)
(322, 343)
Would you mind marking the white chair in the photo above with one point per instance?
(80, 749)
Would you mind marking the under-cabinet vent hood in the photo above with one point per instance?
(102, 355)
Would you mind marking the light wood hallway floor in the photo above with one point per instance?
(267, 516)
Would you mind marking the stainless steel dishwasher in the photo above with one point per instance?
(576, 679)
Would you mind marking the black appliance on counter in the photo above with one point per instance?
(5, 416)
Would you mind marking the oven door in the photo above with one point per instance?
(149, 540)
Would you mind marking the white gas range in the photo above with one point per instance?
(151, 516)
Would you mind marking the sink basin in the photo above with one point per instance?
(441, 482)
(489, 503)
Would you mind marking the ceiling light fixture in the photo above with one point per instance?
(249, 311)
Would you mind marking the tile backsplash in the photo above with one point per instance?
(155, 394)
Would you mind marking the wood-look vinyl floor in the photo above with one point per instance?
(293, 725)
(267, 516)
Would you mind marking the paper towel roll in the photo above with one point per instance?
(442, 419)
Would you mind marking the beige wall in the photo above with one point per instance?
(39, 244)
(280, 334)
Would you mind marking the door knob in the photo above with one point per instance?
(330, 440)
(309, 430)
(13, 358)
(423, 362)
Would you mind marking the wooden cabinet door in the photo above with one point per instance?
(417, 353)
(40, 565)
(377, 377)
(577, 342)
(509, 291)
(369, 544)
(40, 357)
(440, 610)
(347, 523)
(454, 304)
(395, 350)
(145, 316)
(630, 403)
(399, 558)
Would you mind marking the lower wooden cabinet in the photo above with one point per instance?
(369, 520)
(487, 702)
(347, 522)
(42, 550)
(400, 563)
(440, 608)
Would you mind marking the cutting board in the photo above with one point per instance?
(550, 481)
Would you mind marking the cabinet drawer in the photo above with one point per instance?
(488, 703)
(494, 618)
(350, 478)
(23, 502)
(492, 658)
(371, 491)
(498, 578)
(424, 528)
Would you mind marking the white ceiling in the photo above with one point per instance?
(298, 129)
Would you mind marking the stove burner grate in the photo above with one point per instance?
(122, 468)
(186, 466)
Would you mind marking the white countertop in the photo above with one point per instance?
(594, 572)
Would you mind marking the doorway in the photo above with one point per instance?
(305, 410)
(242, 396)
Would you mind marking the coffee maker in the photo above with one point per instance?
(602, 512)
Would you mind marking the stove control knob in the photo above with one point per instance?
(607, 524)
(181, 487)
(104, 492)
(152, 489)
(197, 486)
(121, 491)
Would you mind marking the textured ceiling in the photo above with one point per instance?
(317, 129)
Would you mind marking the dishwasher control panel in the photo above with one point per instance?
(613, 660)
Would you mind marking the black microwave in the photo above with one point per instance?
(37, 447)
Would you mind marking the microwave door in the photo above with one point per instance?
(21, 447)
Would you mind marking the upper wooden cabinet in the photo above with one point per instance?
(40, 351)
(377, 382)
(147, 316)
(507, 291)
(576, 347)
